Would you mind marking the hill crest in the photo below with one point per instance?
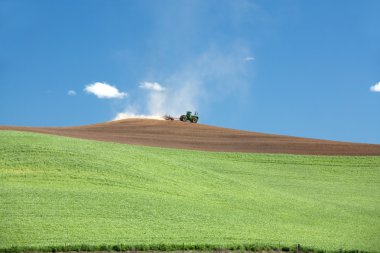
(176, 134)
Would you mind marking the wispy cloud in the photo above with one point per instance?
(194, 77)
(71, 93)
(208, 78)
(375, 87)
(104, 90)
(152, 86)
(249, 58)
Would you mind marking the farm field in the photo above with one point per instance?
(58, 190)
(176, 134)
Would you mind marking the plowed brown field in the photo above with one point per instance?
(176, 134)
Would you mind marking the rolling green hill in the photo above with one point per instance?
(57, 190)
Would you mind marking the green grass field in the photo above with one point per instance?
(57, 190)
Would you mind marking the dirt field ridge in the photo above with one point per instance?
(176, 134)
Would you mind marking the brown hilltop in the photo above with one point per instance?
(176, 134)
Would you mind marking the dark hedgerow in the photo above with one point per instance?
(116, 248)
(172, 247)
(104, 247)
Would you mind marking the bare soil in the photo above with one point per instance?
(176, 134)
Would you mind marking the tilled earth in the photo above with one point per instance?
(176, 134)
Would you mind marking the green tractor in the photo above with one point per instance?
(188, 117)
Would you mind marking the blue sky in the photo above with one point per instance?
(302, 68)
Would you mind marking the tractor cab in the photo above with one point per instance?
(188, 117)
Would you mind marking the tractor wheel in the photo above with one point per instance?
(194, 120)
(183, 118)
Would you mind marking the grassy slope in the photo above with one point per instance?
(57, 190)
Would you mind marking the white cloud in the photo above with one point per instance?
(152, 86)
(249, 58)
(375, 87)
(71, 93)
(104, 90)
